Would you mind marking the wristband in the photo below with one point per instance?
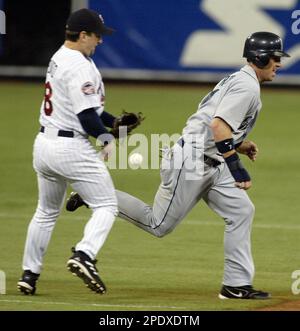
(225, 146)
(239, 173)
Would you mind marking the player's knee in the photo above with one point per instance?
(161, 232)
(45, 220)
(244, 215)
(46, 215)
(110, 209)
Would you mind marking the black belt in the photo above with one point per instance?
(61, 133)
(211, 162)
(208, 160)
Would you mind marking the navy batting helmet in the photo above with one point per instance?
(260, 47)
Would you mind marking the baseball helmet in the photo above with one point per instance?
(260, 47)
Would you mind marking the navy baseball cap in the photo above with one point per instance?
(87, 20)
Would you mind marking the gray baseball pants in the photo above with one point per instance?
(178, 194)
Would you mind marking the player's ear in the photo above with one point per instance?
(83, 35)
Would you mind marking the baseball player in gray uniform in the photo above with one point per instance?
(215, 136)
(72, 109)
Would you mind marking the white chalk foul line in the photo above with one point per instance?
(90, 304)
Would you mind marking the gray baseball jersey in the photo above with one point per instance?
(236, 99)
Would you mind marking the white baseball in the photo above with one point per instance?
(136, 159)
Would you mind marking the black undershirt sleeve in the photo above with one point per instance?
(107, 119)
(93, 125)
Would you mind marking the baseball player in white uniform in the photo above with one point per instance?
(72, 109)
(213, 137)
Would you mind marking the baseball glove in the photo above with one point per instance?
(128, 121)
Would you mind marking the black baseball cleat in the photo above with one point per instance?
(84, 267)
(75, 202)
(242, 292)
(27, 284)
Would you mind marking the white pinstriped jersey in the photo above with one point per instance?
(235, 99)
(73, 83)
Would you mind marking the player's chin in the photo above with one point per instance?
(273, 75)
(270, 78)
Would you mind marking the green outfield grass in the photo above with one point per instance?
(182, 271)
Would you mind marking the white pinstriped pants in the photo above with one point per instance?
(57, 162)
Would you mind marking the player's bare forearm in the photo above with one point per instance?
(221, 131)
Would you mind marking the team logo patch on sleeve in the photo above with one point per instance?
(88, 88)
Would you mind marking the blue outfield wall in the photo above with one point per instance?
(192, 36)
